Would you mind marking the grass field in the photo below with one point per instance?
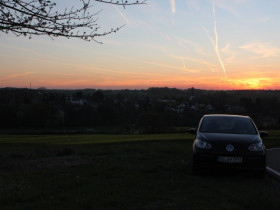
(121, 172)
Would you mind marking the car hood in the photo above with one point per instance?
(224, 138)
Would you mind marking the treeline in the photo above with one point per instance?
(155, 110)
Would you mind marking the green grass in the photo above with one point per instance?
(273, 139)
(88, 138)
(121, 172)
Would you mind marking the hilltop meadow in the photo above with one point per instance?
(97, 171)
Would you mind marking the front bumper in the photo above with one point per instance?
(210, 161)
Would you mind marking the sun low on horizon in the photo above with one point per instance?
(205, 44)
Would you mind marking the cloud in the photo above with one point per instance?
(194, 60)
(20, 74)
(231, 54)
(173, 67)
(226, 49)
(235, 7)
(173, 6)
(230, 60)
(263, 50)
(186, 44)
(229, 6)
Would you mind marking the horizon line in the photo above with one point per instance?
(118, 89)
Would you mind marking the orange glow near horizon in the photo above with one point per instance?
(109, 79)
(210, 83)
(251, 83)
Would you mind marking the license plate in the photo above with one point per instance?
(223, 159)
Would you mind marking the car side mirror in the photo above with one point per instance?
(192, 131)
(263, 133)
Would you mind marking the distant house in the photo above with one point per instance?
(167, 101)
(182, 107)
(80, 102)
(191, 98)
(209, 107)
(193, 107)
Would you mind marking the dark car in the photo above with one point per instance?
(228, 142)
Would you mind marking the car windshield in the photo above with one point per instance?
(226, 124)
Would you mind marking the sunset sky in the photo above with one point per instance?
(209, 44)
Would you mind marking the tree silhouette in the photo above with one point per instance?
(42, 17)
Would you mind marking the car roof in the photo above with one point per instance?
(225, 115)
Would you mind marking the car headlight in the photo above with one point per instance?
(202, 144)
(256, 147)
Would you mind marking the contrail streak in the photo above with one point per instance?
(123, 16)
(215, 42)
(173, 6)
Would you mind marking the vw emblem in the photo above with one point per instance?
(229, 148)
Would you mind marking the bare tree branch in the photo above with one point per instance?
(40, 17)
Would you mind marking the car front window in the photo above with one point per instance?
(231, 125)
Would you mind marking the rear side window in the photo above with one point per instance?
(224, 124)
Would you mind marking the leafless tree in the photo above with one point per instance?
(42, 17)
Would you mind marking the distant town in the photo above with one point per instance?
(155, 110)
